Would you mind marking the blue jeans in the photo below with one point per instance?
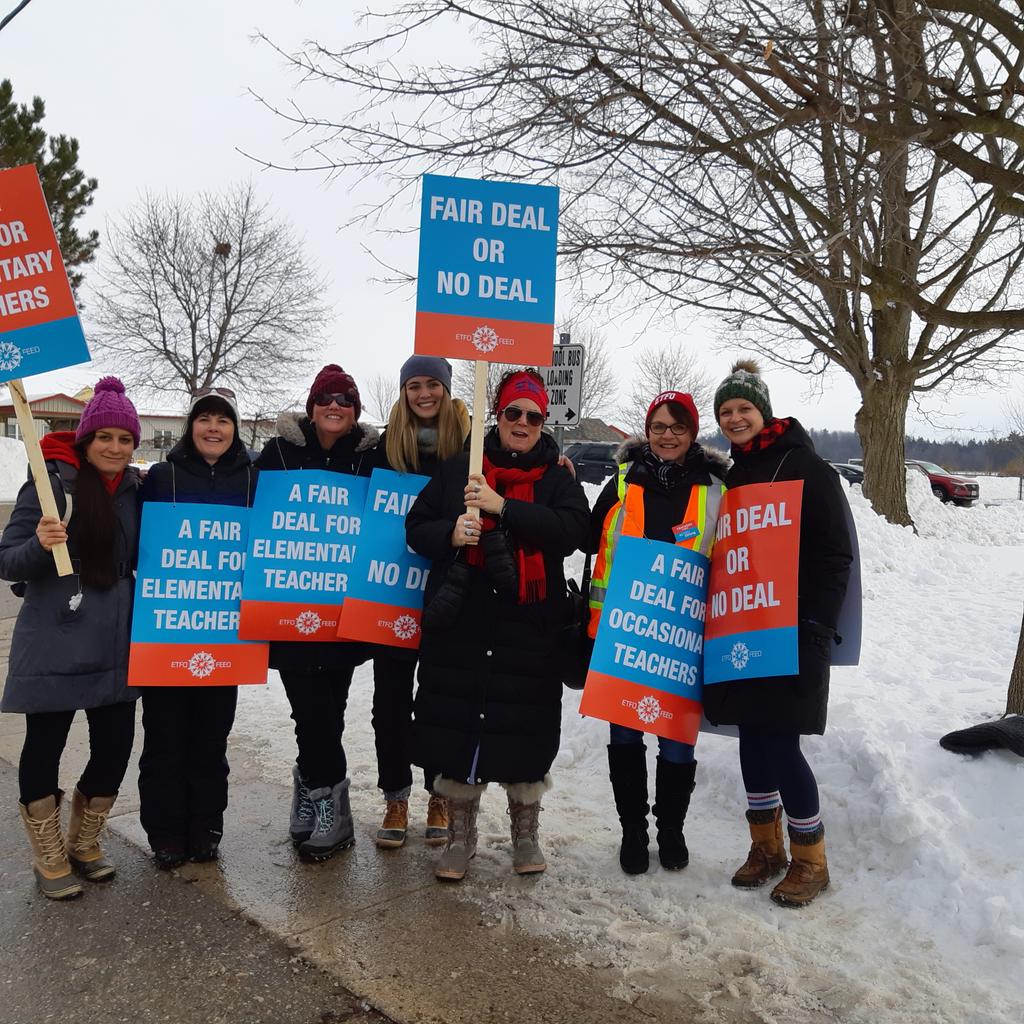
(670, 750)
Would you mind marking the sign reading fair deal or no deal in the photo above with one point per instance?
(39, 326)
(486, 286)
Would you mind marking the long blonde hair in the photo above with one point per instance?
(400, 441)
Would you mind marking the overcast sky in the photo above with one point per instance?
(158, 97)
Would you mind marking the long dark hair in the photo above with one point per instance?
(93, 526)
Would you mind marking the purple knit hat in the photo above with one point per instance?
(109, 407)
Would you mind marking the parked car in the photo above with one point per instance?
(594, 460)
(946, 486)
(854, 474)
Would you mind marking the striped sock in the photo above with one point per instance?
(804, 825)
(764, 801)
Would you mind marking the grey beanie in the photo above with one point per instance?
(745, 382)
(426, 366)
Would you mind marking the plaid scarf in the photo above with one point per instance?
(770, 433)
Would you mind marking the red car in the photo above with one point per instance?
(946, 486)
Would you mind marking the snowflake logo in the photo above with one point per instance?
(10, 356)
(201, 664)
(405, 627)
(485, 339)
(307, 623)
(648, 710)
(739, 656)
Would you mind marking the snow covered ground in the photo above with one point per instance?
(925, 917)
(13, 468)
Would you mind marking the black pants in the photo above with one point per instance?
(318, 701)
(111, 734)
(392, 723)
(183, 770)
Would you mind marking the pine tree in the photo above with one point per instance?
(68, 192)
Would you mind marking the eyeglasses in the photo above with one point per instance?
(345, 401)
(223, 392)
(513, 412)
(678, 429)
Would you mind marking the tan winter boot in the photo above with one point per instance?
(436, 833)
(808, 870)
(393, 828)
(50, 866)
(460, 845)
(767, 856)
(524, 817)
(87, 820)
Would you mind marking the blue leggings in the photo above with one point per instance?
(773, 761)
(670, 750)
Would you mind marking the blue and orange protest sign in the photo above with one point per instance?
(645, 672)
(486, 283)
(39, 326)
(302, 544)
(752, 603)
(384, 603)
(188, 589)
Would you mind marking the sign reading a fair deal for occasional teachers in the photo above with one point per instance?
(752, 603)
(384, 603)
(302, 544)
(486, 283)
(187, 594)
(646, 669)
(39, 327)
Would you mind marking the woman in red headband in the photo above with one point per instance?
(488, 707)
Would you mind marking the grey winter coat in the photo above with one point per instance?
(64, 658)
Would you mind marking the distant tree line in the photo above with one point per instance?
(993, 456)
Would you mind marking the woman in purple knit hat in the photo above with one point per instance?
(70, 647)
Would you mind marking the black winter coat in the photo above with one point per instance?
(795, 703)
(296, 446)
(488, 708)
(187, 476)
(64, 658)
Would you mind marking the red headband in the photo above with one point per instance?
(522, 385)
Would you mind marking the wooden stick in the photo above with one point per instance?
(476, 437)
(44, 490)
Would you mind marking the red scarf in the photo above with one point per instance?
(517, 485)
(770, 433)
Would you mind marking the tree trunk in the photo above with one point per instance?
(881, 426)
(1015, 695)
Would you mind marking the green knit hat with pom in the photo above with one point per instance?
(745, 382)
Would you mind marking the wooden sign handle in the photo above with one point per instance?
(35, 459)
(476, 436)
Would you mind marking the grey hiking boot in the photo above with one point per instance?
(300, 828)
(50, 864)
(527, 858)
(460, 848)
(332, 825)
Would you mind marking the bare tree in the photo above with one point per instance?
(210, 291)
(463, 380)
(379, 394)
(664, 368)
(837, 182)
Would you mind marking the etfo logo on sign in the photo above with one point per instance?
(564, 382)
(486, 285)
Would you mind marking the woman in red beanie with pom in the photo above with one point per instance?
(70, 646)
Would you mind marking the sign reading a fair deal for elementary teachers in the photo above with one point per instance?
(39, 327)
(187, 594)
(752, 603)
(384, 603)
(645, 672)
(486, 283)
(302, 543)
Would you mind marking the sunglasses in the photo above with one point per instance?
(204, 392)
(345, 401)
(678, 429)
(513, 412)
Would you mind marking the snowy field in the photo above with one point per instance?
(13, 468)
(925, 917)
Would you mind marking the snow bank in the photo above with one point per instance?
(925, 917)
(13, 468)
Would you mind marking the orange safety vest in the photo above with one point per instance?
(626, 518)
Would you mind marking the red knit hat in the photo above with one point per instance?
(333, 380)
(522, 385)
(680, 398)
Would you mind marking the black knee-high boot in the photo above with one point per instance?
(627, 766)
(673, 785)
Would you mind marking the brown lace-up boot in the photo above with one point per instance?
(767, 856)
(393, 828)
(436, 833)
(50, 866)
(808, 870)
(88, 816)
